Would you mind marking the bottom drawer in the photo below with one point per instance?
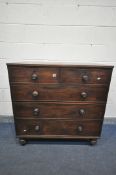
(58, 127)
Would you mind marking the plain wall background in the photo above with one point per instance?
(70, 31)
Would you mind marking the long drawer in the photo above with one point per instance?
(59, 74)
(58, 110)
(34, 92)
(58, 127)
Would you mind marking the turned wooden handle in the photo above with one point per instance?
(36, 111)
(35, 93)
(37, 128)
(34, 76)
(85, 78)
(82, 112)
(80, 128)
(84, 94)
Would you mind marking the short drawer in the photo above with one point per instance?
(58, 110)
(86, 76)
(58, 127)
(23, 92)
(33, 74)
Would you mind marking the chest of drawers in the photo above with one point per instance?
(58, 101)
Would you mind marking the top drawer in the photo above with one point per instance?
(33, 74)
(59, 75)
(86, 76)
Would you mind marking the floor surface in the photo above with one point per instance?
(57, 157)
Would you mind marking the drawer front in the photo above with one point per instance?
(58, 93)
(58, 127)
(33, 74)
(94, 76)
(52, 110)
(51, 75)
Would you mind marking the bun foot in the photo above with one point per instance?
(22, 141)
(93, 142)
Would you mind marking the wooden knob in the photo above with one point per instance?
(82, 112)
(98, 78)
(36, 111)
(85, 78)
(22, 141)
(25, 130)
(80, 128)
(34, 76)
(84, 94)
(37, 128)
(35, 93)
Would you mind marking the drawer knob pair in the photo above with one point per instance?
(84, 94)
(34, 76)
(35, 93)
(85, 78)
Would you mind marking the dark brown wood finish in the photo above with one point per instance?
(33, 74)
(58, 127)
(58, 110)
(81, 65)
(59, 101)
(85, 76)
(61, 92)
(51, 75)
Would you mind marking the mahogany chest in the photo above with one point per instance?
(58, 101)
